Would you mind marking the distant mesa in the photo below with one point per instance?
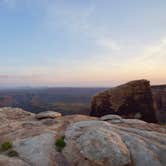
(131, 100)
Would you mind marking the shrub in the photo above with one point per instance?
(6, 146)
(60, 144)
(12, 153)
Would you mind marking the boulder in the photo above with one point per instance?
(38, 150)
(92, 143)
(130, 100)
(48, 114)
(98, 143)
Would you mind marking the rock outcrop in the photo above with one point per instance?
(130, 100)
(89, 141)
(43, 144)
(159, 97)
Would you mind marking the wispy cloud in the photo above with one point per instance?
(108, 44)
(78, 22)
(155, 52)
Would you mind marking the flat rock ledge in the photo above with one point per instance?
(48, 114)
(110, 117)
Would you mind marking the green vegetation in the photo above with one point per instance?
(6, 146)
(60, 144)
(12, 153)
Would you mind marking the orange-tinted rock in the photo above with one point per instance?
(130, 100)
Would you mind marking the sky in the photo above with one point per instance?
(82, 42)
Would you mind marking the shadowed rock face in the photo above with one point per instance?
(159, 96)
(130, 100)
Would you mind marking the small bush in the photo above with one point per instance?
(12, 153)
(60, 144)
(6, 146)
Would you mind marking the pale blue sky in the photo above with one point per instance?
(82, 42)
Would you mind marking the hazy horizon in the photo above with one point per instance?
(58, 86)
(90, 43)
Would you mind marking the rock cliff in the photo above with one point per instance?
(87, 141)
(159, 96)
(130, 100)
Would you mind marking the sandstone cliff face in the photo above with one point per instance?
(90, 141)
(159, 97)
(131, 100)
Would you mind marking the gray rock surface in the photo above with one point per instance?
(103, 143)
(38, 150)
(8, 161)
(97, 145)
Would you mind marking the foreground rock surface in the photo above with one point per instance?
(43, 144)
(96, 144)
(130, 100)
(8, 161)
(90, 141)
